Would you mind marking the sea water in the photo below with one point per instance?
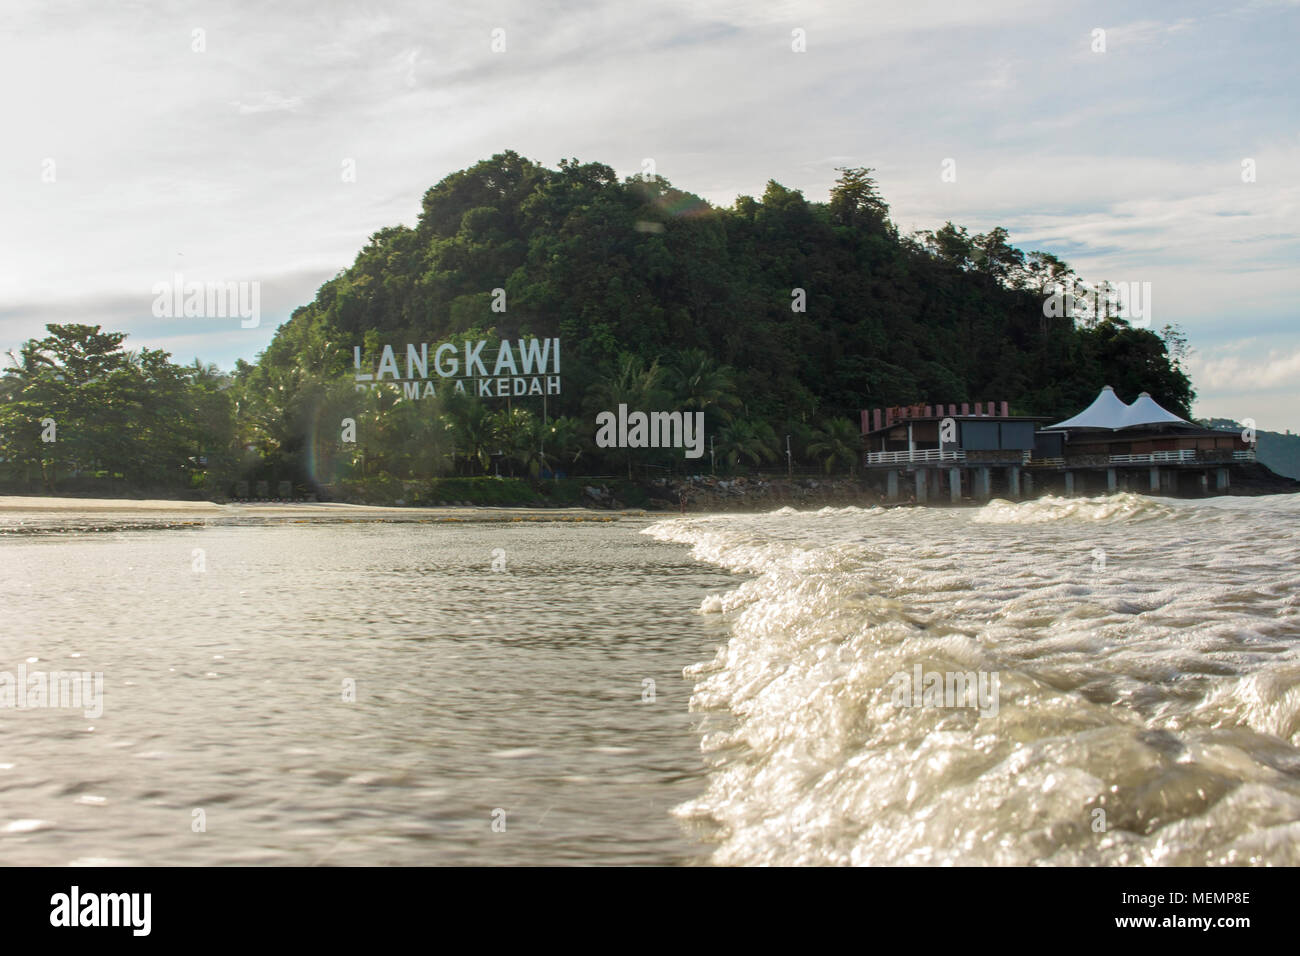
(1065, 681)
(1146, 656)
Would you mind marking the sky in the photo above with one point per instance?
(256, 143)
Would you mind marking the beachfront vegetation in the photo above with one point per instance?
(78, 409)
(774, 317)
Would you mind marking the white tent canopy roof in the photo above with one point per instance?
(1145, 411)
(1108, 412)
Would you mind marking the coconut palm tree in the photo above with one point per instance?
(472, 428)
(632, 383)
(700, 384)
(204, 373)
(558, 443)
(838, 441)
(748, 440)
(515, 431)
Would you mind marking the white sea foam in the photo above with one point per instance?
(1119, 507)
(1148, 671)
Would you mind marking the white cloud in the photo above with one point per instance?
(1248, 378)
(228, 161)
(269, 101)
(1226, 373)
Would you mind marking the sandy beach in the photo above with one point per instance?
(202, 511)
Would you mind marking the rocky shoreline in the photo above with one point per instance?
(700, 493)
(709, 493)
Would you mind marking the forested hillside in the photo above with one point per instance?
(776, 316)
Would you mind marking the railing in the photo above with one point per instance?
(1185, 454)
(1150, 458)
(918, 454)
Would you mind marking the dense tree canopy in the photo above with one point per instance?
(76, 404)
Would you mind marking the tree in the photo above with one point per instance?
(837, 442)
(516, 433)
(779, 311)
(631, 382)
(748, 440)
(1175, 340)
(952, 245)
(473, 429)
(558, 443)
(112, 414)
(698, 383)
(855, 199)
(1134, 361)
(993, 255)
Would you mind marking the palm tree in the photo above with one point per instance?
(750, 440)
(634, 384)
(838, 441)
(700, 384)
(204, 373)
(557, 442)
(516, 431)
(472, 428)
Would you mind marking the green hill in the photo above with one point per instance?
(660, 298)
(777, 316)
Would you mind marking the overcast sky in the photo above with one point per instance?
(129, 155)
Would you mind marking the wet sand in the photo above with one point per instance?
(204, 511)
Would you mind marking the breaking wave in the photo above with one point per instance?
(1144, 655)
(1119, 507)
